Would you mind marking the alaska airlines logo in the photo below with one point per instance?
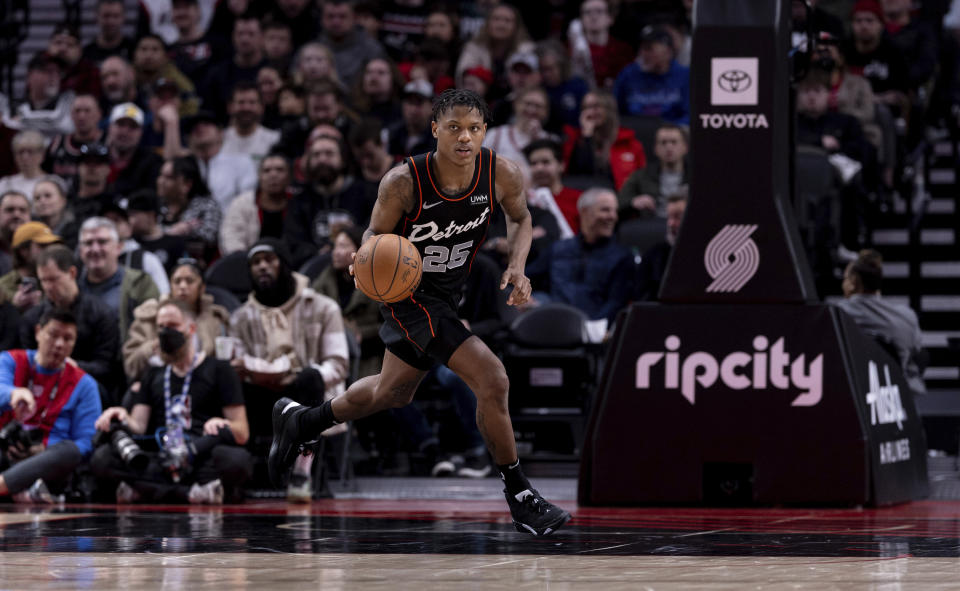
(885, 404)
(478, 199)
(731, 258)
(431, 231)
(739, 370)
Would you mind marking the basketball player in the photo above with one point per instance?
(442, 202)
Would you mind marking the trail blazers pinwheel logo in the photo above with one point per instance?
(731, 258)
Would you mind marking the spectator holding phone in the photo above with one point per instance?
(20, 286)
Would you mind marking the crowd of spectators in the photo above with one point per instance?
(252, 135)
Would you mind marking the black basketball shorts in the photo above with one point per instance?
(422, 330)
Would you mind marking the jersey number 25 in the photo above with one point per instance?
(440, 258)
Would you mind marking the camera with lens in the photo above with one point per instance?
(122, 443)
(14, 434)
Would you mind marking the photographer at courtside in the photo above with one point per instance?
(48, 407)
(194, 405)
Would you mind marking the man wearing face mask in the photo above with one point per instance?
(294, 342)
(197, 402)
(330, 197)
(54, 402)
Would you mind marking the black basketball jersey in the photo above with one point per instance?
(448, 229)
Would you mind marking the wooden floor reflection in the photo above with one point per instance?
(443, 544)
(332, 572)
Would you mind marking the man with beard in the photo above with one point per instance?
(329, 198)
(245, 135)
(80, 74)
(294, 342)
(131, 165)
(14, 212)
(118, 84)
(870, 53)
(197, 399)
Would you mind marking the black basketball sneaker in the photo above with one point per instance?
(287, 442)
(534, 514)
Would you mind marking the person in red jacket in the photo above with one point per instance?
(601, 147)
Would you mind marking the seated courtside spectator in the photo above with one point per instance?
(284, 323)
(197, 399)
(56, 401)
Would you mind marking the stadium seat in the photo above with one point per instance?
(315, 265)
(551, 372)
(232, 274)
(642, 233)
(817, 211)
(582, 182)
(224, 297)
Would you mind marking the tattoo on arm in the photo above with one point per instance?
(395, 199)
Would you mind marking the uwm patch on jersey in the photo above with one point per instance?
(449, 229)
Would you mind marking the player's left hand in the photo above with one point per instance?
(521, 286)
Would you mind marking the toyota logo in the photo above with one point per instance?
(734, 81)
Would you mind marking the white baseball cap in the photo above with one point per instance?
(127, 111)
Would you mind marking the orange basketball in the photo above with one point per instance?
(387, 268)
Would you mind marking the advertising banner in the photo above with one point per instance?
(749, 404)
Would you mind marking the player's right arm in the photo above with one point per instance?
(395, 199)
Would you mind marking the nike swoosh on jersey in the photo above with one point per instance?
(432, 204)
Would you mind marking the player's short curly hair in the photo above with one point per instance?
(460, 97)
